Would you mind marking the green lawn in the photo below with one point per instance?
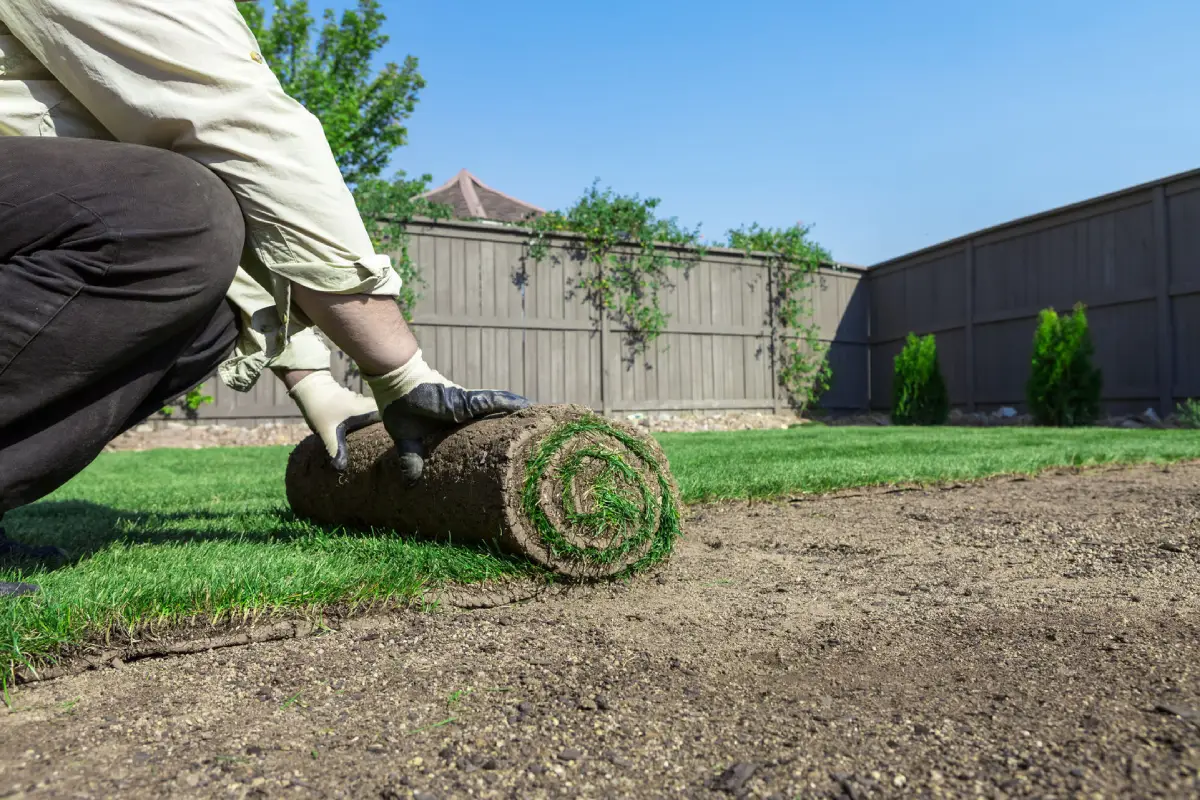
(173, 534)
(763, 464)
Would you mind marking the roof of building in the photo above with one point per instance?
(471, 198)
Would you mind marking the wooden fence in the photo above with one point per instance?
(1133, 257)
(491, 317)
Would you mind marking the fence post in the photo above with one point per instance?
(1162, 272)
(969, 324)
(606, 352)
(773, 321)
(605, 372)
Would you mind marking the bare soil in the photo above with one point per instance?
(1007, 639)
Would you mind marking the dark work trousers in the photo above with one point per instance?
(114, 264)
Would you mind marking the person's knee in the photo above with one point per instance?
(205, 214)
(181, 225)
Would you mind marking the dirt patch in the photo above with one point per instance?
(197, 434)
(1012, 638)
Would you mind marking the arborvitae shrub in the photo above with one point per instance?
(1064, 386)
(919, 395)
(1189, 413)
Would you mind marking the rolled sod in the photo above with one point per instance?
(581, 495)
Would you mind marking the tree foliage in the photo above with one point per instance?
(328, 69)
(919, 393)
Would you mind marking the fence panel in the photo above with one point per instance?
(489, 316)
(1133, 257)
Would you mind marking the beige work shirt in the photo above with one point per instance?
(186, 76)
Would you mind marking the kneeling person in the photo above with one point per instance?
(151, 160)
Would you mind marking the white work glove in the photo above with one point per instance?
(332, 411)
(418, 401)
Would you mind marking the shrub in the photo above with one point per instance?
(189, 404)
(919, 395)
(1064, 386)
(1189, 413)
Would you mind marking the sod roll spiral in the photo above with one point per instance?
(583, 496)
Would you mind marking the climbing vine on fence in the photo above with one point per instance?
(633, 252)
(793, 259)
(389, 207)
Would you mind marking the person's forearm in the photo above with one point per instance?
(369, 329)
(290, 377)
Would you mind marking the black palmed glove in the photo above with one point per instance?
(417, 401)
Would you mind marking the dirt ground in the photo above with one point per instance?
(1010, 639)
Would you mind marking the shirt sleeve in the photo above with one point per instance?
(263, 341)
(187, 76)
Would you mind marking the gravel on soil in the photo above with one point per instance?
(199, 434)
(1013, 638)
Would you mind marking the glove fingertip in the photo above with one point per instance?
(412, 466)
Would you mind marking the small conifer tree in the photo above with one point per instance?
(1064, 385)
(919, 394)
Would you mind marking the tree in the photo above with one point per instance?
(363, 116)
(919, 393)
(1064, 386)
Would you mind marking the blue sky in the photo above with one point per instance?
(889, 126)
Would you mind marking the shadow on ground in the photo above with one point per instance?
(82, 528)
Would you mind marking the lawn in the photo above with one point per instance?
(176, 534)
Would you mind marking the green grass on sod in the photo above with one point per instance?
(169, 535)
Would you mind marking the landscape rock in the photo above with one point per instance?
(734, 779)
